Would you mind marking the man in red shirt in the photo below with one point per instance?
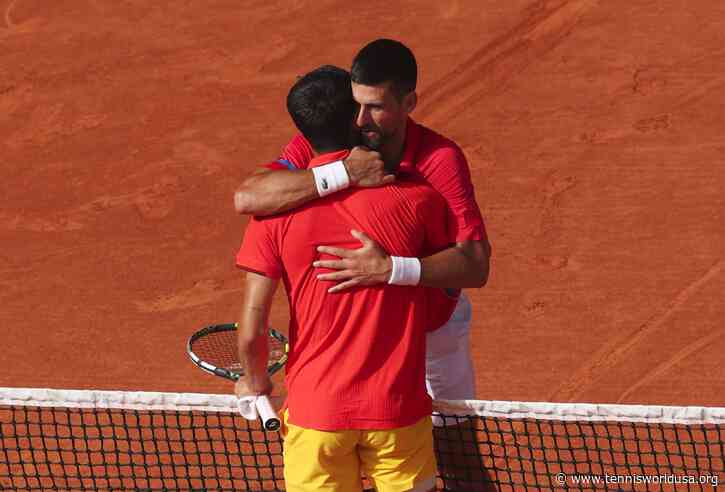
(384, 77)
(355, 375)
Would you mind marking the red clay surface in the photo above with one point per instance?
(594, 131)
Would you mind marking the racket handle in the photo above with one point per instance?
(269, 416)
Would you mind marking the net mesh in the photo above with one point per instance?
(91, 440)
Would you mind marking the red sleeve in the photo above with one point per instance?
(277, 165)
(260, 251)
(298, 153)
(432, 214)
(440, 303)
(450, 176)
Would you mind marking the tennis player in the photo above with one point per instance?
(357, 399)
(384, 78)
(384, 75)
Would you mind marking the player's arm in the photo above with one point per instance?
(465, 265)
(252, 340)
(272, 191)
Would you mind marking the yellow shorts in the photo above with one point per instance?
(394, 460)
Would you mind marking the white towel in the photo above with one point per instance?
(248, 407)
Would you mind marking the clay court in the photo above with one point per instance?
(594, 133)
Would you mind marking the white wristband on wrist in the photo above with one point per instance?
(406, 271)
(331, 178)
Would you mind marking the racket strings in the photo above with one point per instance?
(277, 351)
(220, 350)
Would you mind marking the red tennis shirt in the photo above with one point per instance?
(438, 160)
(357, 358)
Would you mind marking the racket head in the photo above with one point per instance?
(214, 350)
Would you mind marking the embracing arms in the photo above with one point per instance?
(464, 265)
(268, 192)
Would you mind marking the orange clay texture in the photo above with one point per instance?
(594, 131)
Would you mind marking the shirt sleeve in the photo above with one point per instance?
(260, 251)
(297, 154)
(433, 214)
(451, 177)
(434, 217)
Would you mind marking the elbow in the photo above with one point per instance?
(478, 276)
(244, 201)
(247, 198)
(480, 265)
(252, 198)
(481, 278)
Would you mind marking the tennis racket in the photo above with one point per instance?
(214, 349)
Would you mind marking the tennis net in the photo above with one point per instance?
(72, 440)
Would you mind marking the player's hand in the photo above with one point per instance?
(244, 387)
(366, 168)
(368, 265)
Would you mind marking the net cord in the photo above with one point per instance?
(142, 400)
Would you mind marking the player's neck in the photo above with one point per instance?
(323, 151)
(392, 151)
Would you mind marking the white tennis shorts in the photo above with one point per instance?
(448, 366)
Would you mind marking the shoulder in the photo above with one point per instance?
(419, 193)
(432, 142)
(437, 152)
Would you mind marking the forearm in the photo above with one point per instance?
(273, 192)
(268, 192)
(465, 265)
(252, 338)
(253, 347)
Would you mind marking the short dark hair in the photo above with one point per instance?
(386, 60)
(322, 107)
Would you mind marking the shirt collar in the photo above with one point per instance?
(328, 157)
(410, 149)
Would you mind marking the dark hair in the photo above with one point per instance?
(386, 60)
(321, 105)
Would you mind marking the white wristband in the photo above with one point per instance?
(331, 178)
(406, 271)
